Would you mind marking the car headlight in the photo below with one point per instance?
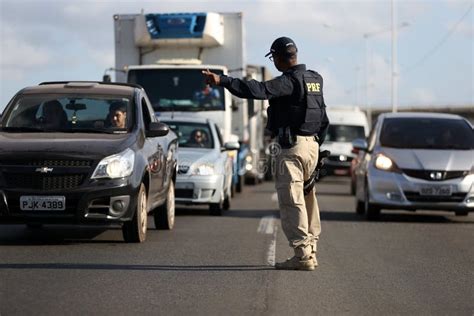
(383, 162)
(205, 169)
(115, 166)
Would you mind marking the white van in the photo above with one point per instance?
(345, 125)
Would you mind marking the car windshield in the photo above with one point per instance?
(178, 89)
(67, 113)
(344, 133)
(196, 135)
(427, 133)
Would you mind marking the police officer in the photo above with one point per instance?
(297, 117)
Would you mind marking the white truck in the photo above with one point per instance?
(166, 52)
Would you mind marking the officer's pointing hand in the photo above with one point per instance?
(211, 78)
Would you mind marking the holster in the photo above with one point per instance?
(308, 185)
(285, 137)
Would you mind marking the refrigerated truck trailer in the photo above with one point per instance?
(166, 53)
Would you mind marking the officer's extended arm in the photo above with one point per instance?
(253, 89)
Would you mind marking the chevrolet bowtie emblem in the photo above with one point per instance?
(44, 170)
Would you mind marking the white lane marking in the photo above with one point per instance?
(271, 253)
(268, 226)
(274, 197)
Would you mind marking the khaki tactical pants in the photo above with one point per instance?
(299, 213)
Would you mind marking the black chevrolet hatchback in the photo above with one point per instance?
(86, 153)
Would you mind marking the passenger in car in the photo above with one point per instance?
(54, 115)
(199, 139)
(118, 114)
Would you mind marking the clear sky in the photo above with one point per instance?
(73, 40)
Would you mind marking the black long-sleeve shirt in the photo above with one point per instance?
(280, 86)
(280, 91)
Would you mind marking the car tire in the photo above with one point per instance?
(251, 180)
(226, 204)
(215, 209)
(461, 213)
(233, 189)
(240, 183)
(360, 208)
(164, 215)
(134, 231)
(371, 211)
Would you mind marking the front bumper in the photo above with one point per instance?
(100, 201)
(192, 189)
(398, 191)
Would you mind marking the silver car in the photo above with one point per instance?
(416, 161)
(204, 164)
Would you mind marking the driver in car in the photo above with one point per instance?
(118, 114)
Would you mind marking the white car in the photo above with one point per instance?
(204, 164)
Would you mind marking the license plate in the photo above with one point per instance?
(341, 172)
(42, 203)
(436, 190)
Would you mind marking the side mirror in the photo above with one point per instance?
(359, 144)
(157, 129)
(106, 78)
(231, 146)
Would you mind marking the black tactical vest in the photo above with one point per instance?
(304, 110)
(306, 115)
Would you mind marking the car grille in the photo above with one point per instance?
(43, 182)
(184, 193)
(416, 197)
(182, 169)
(26, 174)
(47, 162)
(426, 174)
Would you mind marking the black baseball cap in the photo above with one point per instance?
(280, 46)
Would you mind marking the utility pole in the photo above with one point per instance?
(394, 75)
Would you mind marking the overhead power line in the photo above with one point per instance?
(440, 43)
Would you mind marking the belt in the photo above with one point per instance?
(311, 138)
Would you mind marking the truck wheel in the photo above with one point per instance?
(164, 215)
(135, 230)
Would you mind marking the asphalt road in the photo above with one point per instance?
(406, 263)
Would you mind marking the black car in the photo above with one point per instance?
(86, 153)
